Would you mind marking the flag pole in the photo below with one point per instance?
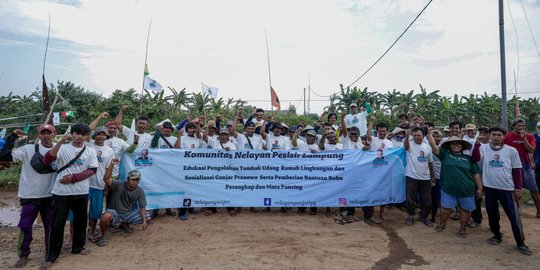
(269, 75)
(145, 62)
(45, 91)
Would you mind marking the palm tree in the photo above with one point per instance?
(179, 99)
(199, 103)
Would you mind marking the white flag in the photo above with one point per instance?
(209, 90)
(56, 119)
(152, 85)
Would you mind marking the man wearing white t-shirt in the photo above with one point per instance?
(34, 187)
(377, 143)
(188, 141)
(104, 155)
(118, 145)
(274, 140)
(70, 190)
(309, 145)
(502, 181)
(419, 175)
(249, 140)
(144, 139)
(358, 119)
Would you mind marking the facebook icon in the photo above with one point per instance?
(267, 201)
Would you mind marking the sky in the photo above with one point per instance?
(453, 47)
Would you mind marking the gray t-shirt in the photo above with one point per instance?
(122, 198)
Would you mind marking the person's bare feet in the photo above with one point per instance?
(68, 243)
(21, 262)
(84, 251)
(45, 266)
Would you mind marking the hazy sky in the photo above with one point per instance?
(453, 47)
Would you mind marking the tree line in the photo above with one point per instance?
(481, 109)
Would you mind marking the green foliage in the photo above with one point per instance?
(9, 178)
(480, 109)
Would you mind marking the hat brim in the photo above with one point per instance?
(465, 145)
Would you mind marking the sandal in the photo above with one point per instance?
(232, 213)
(45, 266)
(126, 228)
(439, 228)
(102, 241)
(92, 238)
(461, 234)
(209, 213)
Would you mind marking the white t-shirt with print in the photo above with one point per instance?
(118, 146)
(104, 155)
(357, 120)
(337, 146)
(472, 141)
(32, 185)
(304, 146)
(497, 166)
(377, 143)
(256, 141)
(87, 160)
(216, 144)
(191, 142)
(277, 142)
(418, 158)
(163, 145)
(349, 144)
(145, 139)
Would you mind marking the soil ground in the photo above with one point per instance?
(287, 241)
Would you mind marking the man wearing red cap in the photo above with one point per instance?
(35, 186)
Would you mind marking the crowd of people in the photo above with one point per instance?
(451, 168)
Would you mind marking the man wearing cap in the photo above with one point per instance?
(231, 127)
(139, 137)
(162, 137)
(309, 145)
(470, 136)
(222, 142)
(398, 136)
(120, 211)
(118, 145)
(76, 164)
(256, 118)
(502, 181)
(34, 187)
(525, 144)
(358, 119)
(275, 140)
(537, 154)
(163, 140)
(104, 155)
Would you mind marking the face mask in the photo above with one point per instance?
(538, 130)
(495, 147)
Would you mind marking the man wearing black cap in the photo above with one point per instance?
(34, 187)
(275, 140)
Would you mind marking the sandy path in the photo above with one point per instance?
(290, 241)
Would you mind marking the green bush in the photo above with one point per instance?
(9, 178)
